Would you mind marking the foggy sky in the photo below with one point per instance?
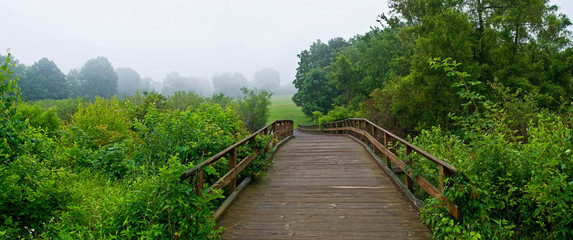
(195, 38)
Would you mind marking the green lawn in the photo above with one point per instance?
(283, 107)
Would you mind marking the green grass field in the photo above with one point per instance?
(283, 107)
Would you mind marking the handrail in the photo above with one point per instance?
(367, 131)
(279, 129)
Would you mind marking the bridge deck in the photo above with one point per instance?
(322, 187)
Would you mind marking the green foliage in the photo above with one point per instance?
(190, 134)
(12, 131)
(32, 193)
(506, 188)
(38, 117)
(64, 108)
(183, 100)
(315, 93)
(99, 123)
(254, 108)
(260, 164)
(140, 103)
(336, 114)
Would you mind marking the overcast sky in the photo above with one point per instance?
(195, 38)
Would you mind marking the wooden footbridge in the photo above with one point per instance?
(324, 186)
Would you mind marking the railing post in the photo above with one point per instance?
(362, 124)
(409, 182)
(444, 173)
(232, 164)
(388, 162)
(373, 134)
(198, 182)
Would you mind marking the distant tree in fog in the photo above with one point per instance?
(97, 78)
(73, 80)
(175, 83)
(43, 80)
(267, 79)
(146, 84)
(229, 84)
(128, 81)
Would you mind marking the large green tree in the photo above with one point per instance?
(318, 92)
(44, 80)
(98, 78)
(316, 59)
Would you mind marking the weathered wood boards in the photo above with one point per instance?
(371, 134)
(322, 187)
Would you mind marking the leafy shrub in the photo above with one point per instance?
(99, 123)
(64, 108)
(139, 104)
(38, 117)
(254, 108)
(260, 164)
(337, 114)
(191, 135)
(183, 100)
(32, 192)
(12, 130)
(155, 206)
(161, 207)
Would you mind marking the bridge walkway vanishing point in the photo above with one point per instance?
(322, 187)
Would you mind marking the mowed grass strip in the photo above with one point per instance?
(283, 107)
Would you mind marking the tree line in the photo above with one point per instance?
(384, 73)
(97, 77)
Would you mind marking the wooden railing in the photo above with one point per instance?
(279, 129)
(379, 139)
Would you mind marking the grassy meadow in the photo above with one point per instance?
(283, 107)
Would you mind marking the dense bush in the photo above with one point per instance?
(64, 108)
(507, 188)
(190, 134)
(39, 117)
(337, 114)
(12, 130)
(254, 108)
